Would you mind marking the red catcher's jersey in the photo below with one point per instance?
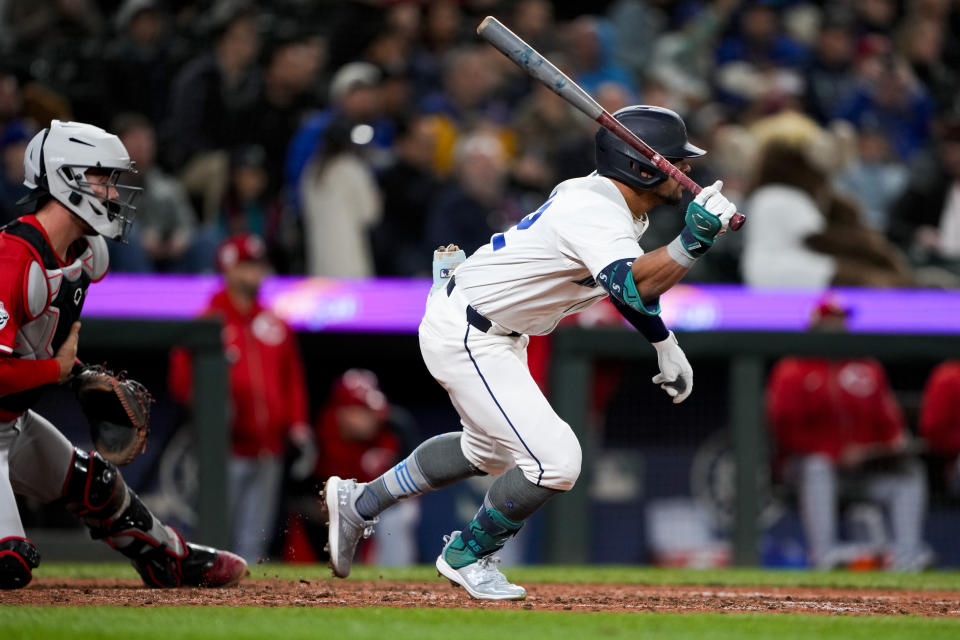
(41, 297)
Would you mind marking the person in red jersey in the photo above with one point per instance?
(840, 434)
(940, 418)
(268, 395)
(48, 259)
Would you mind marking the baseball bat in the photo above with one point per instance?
(527, 58)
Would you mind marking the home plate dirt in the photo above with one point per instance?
(541, 597)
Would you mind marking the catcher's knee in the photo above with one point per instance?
(94, 489)
(18, 558)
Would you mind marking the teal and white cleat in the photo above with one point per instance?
(345, 527)
(482, 579)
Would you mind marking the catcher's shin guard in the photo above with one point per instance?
(18, 558)
(96, 492)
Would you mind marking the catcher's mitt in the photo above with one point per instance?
(118, 410)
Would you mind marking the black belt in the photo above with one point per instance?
(474, 317)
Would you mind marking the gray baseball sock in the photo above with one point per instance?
(516, 497)
(436, 463)
(511, 500)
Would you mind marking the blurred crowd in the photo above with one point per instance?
(353, 137)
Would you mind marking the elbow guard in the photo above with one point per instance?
(617, 279)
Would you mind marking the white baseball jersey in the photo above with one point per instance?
(544, 268)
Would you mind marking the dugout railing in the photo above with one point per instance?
(747, 354)
(203, 339)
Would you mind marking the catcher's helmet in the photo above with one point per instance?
(57, 163)
(660, 128)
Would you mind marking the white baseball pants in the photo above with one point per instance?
(506, 419)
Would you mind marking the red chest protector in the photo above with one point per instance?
(54, 298)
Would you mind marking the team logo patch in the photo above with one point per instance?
(4, 316)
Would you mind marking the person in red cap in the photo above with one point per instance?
(840, 434)
(940, 418)
(359, 435)
(269, 406)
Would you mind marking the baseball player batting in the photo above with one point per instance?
(579, 247)
(49, 258)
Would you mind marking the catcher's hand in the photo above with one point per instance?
(118, 410)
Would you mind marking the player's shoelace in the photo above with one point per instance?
(489, 571)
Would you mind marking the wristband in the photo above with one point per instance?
(678, 252)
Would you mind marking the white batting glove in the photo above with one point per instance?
(716, 204)
(676, 374)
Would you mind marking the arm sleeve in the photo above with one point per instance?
(20, 375)
(651, 326)
(12, 311)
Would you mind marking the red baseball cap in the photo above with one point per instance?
(241, 247)
(359, 387)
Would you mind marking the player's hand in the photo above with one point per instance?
(716, 204)
(67, 353)
(676, 374)
(306, 452)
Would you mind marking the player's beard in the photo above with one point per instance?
(673, 197)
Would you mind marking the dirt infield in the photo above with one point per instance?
(544, 597)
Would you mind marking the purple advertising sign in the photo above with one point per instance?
(395, 305)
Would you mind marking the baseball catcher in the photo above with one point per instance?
(49, 257)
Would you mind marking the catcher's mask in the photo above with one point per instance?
(58, 163)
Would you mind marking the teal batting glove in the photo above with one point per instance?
(701, 230)
(706, 218)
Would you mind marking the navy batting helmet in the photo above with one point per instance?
(660, 128)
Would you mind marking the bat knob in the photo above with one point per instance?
(737, 221)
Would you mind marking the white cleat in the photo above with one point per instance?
(482, 579)
(346, 527)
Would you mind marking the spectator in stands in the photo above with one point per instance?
(249, 208)
(354, 96)
(682, 60)
(13, 143)
(341, 204)
(209, 96)
(292, 61)
(888, 97)
(801, 234)
(140, 62)
(829, 77)
(590, 46)
(166, 236)
(409, 186)
(874, 179)
(922, 42)
(267, 394)
(925, 220)
(940, 419)
(476, 205)
(359, 435)
(840, 435)
(467, 99)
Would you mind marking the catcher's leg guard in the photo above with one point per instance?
(96, 492)
(18, 558)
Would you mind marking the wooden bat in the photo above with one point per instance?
(512, 46)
